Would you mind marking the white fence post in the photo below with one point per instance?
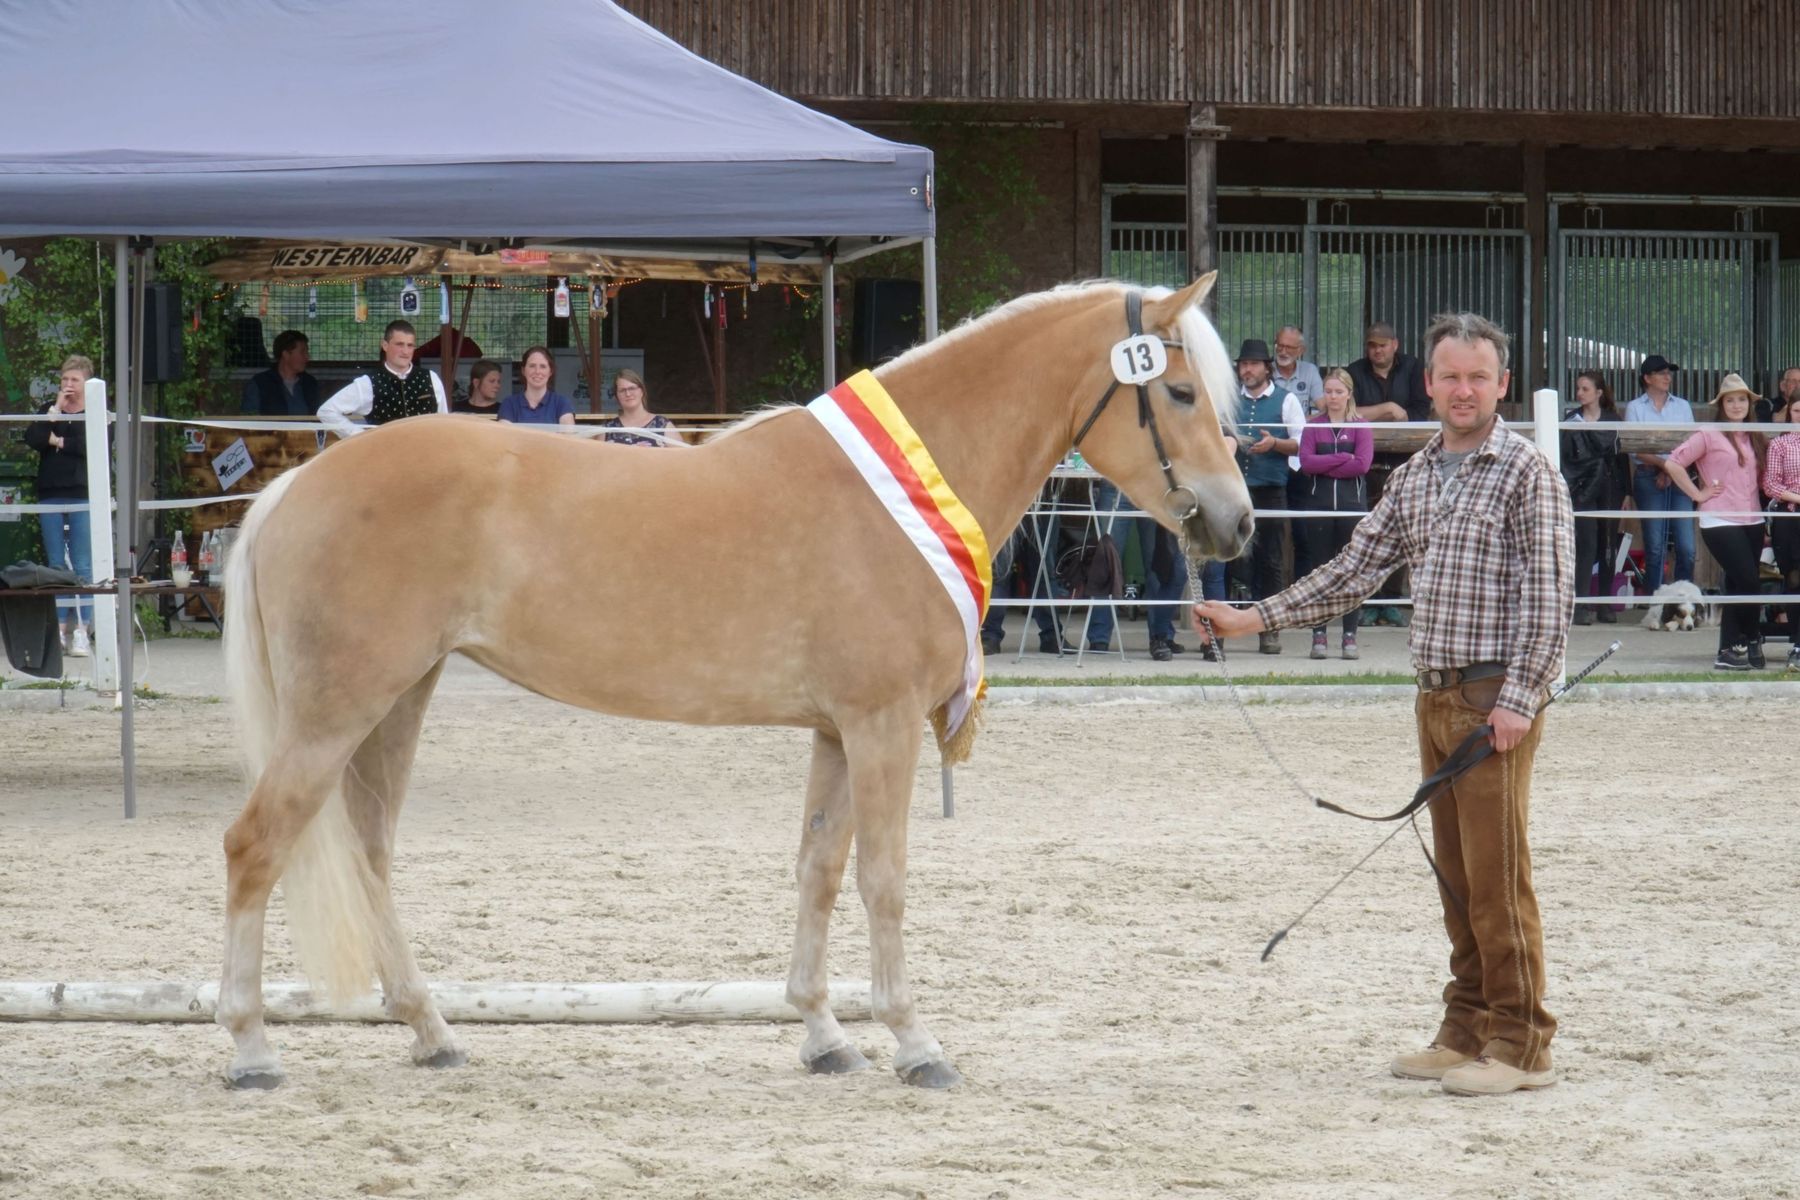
(1545, 414)
(100, 530)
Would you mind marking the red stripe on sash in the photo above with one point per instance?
(890, 453)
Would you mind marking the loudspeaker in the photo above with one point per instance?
(162, 333)
(887, 320)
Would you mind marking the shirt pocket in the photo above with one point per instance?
(1469, 553)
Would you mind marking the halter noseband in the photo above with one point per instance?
(1181, 509)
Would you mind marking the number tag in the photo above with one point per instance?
(1139, 359)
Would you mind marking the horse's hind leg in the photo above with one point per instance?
(882, 756)
(824, 846)
(293, 787)
(374, 789)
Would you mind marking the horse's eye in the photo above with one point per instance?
(1181, 393)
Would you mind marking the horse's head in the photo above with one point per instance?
(1197, 490)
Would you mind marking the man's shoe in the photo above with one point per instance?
(1350, 650)
(1174, 646)
(1099, 647)
(1734, 658)
(1608, 616)
(78, 643)
(1793, 659)
(1399, 617)
(1268, 643)
(990, 643)
(1210, 653)
(1159, 650)
(1320, 647)
(1429, 1063)
(1584, 615)
(1757, 662)
(1491, 1077)
(1051, 644)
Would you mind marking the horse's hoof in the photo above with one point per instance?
(449, 1056)
(841, 1061)
(937, 1073)
(259, 1081)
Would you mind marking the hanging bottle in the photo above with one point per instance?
(409, 299)
(443, 303)
(178, 562)
(708, 300)
(360, 301)
(562, 298)
(312, 303)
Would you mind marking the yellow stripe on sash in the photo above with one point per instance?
(875, 398)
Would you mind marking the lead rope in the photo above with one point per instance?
(1231, 687)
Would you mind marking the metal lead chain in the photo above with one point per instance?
(1231, 687)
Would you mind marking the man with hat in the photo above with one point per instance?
(1268, 452)
(1651, 488)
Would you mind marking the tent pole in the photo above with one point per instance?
(931, 289)
(124, 326)
(830, 321)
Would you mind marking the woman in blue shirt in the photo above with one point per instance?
(537, 404)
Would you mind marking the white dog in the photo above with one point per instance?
(1683, 608)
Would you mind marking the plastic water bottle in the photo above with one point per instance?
(178, 562)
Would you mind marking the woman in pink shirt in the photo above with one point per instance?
(1781, 484)
(1731, 524)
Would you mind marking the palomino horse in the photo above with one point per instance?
(801, 603)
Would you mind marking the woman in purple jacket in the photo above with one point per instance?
(1336, 448)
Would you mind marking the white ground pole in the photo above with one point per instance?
(129, 324)
(1546, 412)
(460, 1003)
(928, 251)
(829, 320)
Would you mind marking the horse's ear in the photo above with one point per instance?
(1162, 314)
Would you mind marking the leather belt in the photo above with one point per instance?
(1432, 681)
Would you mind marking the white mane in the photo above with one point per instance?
(1212, 363)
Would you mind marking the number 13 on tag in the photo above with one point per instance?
(1139, 359)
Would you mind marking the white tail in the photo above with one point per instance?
(327, 883)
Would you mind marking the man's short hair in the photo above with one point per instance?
(1293, 329)
(78, 362)
(1468, 328)
(481, 368)
(287, 339)
(394, 327)
(1382, 330)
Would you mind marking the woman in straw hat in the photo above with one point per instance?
(1730, 464)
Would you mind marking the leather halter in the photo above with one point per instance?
(1180, 509)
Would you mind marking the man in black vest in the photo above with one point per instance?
(286, 389)
(1390, 386)
(394, 390)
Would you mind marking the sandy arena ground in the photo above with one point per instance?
(1083, 940)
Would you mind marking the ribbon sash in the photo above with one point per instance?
(871, 430)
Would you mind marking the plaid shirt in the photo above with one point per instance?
(1492, 556)
(1782, 474)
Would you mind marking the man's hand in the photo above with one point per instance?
(1226, 620)
(1264, 444)
(1509, 728)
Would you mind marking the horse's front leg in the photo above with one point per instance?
(824, 846)
(882, 758)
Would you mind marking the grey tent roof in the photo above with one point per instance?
(540, 119)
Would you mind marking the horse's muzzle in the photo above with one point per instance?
(1220, 532)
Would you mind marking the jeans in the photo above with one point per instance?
(1159, 616)
(1739, 550)
(1668, 498)
(68, 542)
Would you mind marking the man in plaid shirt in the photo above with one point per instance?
(1484, 521)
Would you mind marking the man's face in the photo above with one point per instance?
(1659, 381)
(1466, 383)
(1253, 373)
(295, 358)
(1288, 348)
(397, 348)
(1381, 351)
(1790, 383)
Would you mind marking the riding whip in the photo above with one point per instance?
(1473, 749)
